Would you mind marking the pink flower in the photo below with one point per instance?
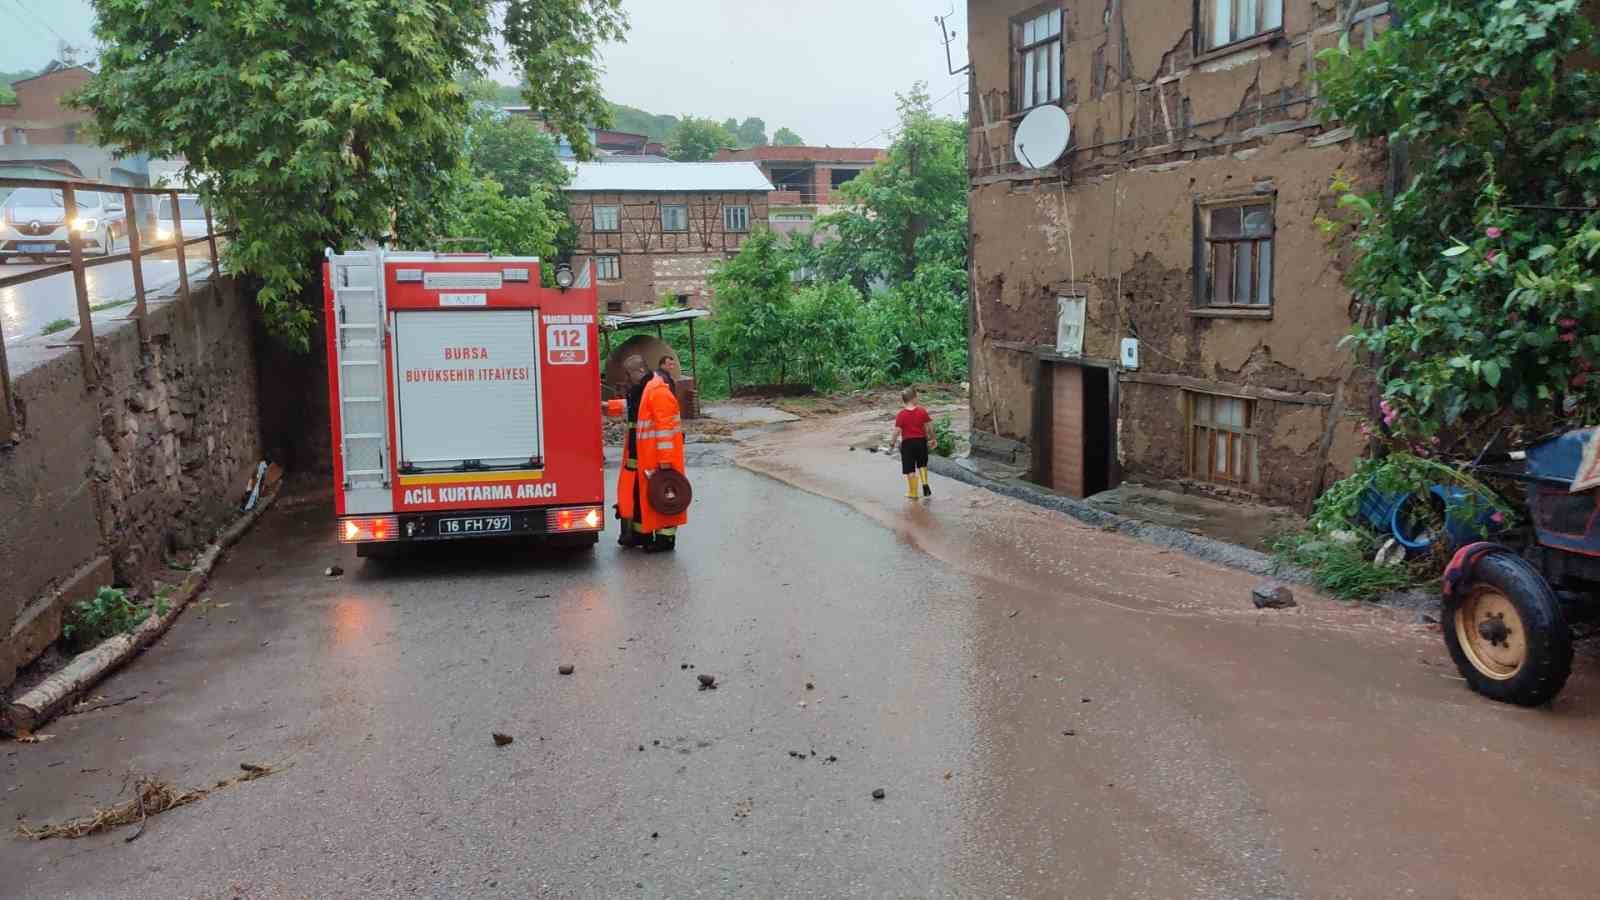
(1492, 255)
(1569, 337)
(1568, 322)
(1493, 232)
(1499, 518)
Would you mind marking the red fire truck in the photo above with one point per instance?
(465, 398)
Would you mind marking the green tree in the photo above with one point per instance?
(786, 138)
(750, 331)
(513, 151)
(519, 160)
(515, 225)
(907, 207)
(637, 121)
(321, 128)
(752, 133)
(1480, 273)
(7, 95)
(694, 139)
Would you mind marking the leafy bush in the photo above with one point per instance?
(883, 299)
(1480, 274)
(110, 612)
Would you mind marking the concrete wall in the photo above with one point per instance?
(653, 261)
(1158, 132)
(148, 463)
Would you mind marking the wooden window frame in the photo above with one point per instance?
(599, 272)
(667, 206)
(1246, 440)
(594, 218)
(1205, 254)
(1017, 51)
(1202, 29)
(727, 226)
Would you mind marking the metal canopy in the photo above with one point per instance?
(651, 319)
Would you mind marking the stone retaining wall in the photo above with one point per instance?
(109, 482)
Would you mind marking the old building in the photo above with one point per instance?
(656, 229)
(804, 178)
(605, 141)
(42, 137)
(1159, 303)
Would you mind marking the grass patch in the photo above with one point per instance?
(102, 307)
(1345, 568)
(59, 325)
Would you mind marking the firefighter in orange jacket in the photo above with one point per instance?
(654, 441)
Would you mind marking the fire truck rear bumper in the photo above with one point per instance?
(454, 525)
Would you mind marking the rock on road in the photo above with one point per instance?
(1049, 710)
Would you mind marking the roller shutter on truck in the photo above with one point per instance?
(467, 389)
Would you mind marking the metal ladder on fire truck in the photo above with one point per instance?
(358, 300)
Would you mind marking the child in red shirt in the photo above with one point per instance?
(915, 437)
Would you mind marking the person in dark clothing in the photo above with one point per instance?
(628, 481)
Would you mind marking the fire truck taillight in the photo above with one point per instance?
(583, 518)
(367, 529)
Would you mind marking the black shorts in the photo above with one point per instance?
(913, 455)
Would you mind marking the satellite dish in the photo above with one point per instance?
(1042, 137)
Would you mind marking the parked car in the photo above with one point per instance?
(33, 223)
(191, 217)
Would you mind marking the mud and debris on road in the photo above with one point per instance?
(1220, 727)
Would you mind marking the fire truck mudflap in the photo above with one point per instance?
(465, 398)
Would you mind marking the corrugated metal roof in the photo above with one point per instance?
(674, 177)
(655, 317)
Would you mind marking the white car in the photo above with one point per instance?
(33, 223)
(191, 217)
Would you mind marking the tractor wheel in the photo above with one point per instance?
(1507, 634)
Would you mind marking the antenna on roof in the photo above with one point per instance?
(1042, 137)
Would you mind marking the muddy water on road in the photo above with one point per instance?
(1327, 750)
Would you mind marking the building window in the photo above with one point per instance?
(838, 178)
(1230, 21)
(19, 136)
(1222, 439)
(613, 306)
(607, 218)
(1037, 59)
(674, 217)
(1236, 243)
(736, 218)
(608, 267)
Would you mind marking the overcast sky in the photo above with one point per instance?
(828, 69)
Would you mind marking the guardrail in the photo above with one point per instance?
(83, 338)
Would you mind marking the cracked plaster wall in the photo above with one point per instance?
(1155, 131)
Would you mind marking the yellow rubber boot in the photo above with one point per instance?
(926, 491)
(911, 486)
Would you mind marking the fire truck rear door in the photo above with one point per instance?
(467, 389)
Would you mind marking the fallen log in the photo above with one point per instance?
(25, 714)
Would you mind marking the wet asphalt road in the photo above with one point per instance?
(25, 309)
(1214, 751)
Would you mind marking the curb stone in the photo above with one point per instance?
(45, 701)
